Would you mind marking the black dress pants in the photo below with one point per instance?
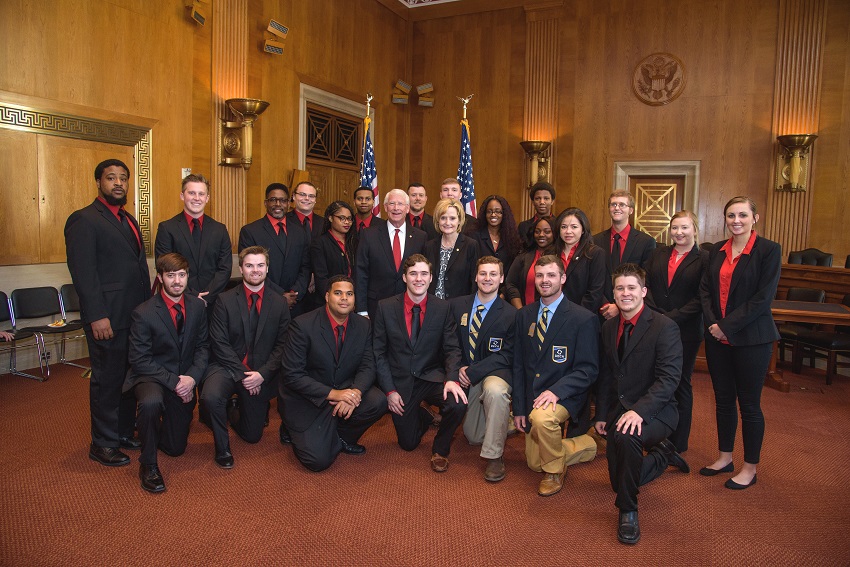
(163, 421)
(217, 389)
(685, 396)
(113, 413)
(412, 425)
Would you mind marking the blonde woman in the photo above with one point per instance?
(452, 254)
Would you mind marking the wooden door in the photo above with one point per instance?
(656, 200)
(18, 198)
(333, 184)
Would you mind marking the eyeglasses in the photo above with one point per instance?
(618, 206)
(305, 195)
(343, 219)
(276, 201)
(495, 212)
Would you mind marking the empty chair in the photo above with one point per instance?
(69, 302)
(19, 335)
(810, 257)
(789, 331)
(834, 343)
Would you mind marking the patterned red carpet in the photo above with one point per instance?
(388, 508)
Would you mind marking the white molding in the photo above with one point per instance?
(328, 100)
(623, 170)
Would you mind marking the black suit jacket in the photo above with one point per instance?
(680, 301)
(427, 225)
(748, 318)
(494, 349)
(586, 277)
(516, 278)
(524, 229)
(435, 357)
(229, 330)
(156, 354)
(316, 226)
(646, 379)
(311, 367)
(110, 277)
(328, 261)
(376, 276)
(637, 251)
(289, 258)
(460, 271)
(209, 267)
(568, 363)
(485, 246)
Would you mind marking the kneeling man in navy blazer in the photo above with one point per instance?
(556, 361)
(328, 374)
(417, 356)
(641, 369)
(168, 356)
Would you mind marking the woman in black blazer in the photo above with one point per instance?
(584, 262)
(736, 293)
(673, 276)
(333, 252)
(497, 233)
(452, 255)
(522, 270)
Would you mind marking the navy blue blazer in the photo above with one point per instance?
(680, 300)
(494, 349)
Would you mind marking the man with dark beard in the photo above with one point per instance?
(106, 258)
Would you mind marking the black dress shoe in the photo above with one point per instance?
(731, 484)
(224, 460)
(352, 448)
(628, 531)
(151, 478)
(285, 437)
(132, 443)
(673, 456)
(705, 471)
(108, 456)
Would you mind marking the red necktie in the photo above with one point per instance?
(397, 250)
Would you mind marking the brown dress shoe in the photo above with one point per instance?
(495, 470)
(551, 483)
(439, 463)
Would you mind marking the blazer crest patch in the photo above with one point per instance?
(495, 344)
(559, 354)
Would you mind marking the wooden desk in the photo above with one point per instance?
(802, 312)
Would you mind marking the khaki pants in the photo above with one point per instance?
(488, 415)
(546, 450)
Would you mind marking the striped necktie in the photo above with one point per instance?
(542, 325)
(474, 328)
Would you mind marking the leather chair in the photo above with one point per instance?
(810, 257)
(789, 331)
(69, 302)
(19, 335)
(834, 343)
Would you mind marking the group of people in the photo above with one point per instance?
(544, 328)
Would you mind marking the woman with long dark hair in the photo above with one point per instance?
(333, 252)
(584, 262)
(497, 231)
(519, 285)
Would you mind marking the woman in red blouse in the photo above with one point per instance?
(333, 252)
(519, 285)
(736, 295)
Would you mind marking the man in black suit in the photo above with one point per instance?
(364, 204)
(287, 243)
(168, 356)
(199, 238)
(417, 357)
(246, 337)
(417, 217)
(106, 258)
(622, 244)
(304, 198)
(556, 361)
(484, 328)
(542, 196)
(382, 250)
(328, 375)
(641, 368)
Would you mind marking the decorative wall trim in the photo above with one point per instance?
(308, 94)
(623, 170)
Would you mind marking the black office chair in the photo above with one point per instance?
(20, 335)
(69, 302)
(789, 331)
(810, 257)
(835, 344)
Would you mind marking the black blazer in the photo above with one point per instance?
(289, 258)
(525, 236)
(680, 300)
(110, 277)
(637, 251)
(586, 278)
(311, 367)
(156, 353)
(328, 260)
(228, 333)
(568, 363)
(494, 348)
(515, 281)
(460, 271)
(316, 226)
(209, 267)
(427, 225)
(485, 246)
(646, 379)
(435, 357)
(376, 276)
(748, 318)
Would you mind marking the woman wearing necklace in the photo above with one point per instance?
(519, 285)
(673, 276)
(736, 293)
(584, 262)
(452, 254)
(333, 252)
(497, 232)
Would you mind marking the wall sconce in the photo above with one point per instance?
(235, 137)
(792, 168)
(538, 155)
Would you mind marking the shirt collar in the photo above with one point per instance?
(170, 303)
(112, 208)
(552, 307)
(333, 322)
(189, 219)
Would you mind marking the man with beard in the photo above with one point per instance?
(168, 356)
(106, 258)
(417, 216)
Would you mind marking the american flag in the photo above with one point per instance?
(368, 172)
(464, 172)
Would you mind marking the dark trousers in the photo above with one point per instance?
(737, 374)
(317, 446)
(163, 421)
(412, 425)
(685, 396)
(628, 468)
(113, 413)
(217, 389)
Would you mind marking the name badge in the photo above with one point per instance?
(464, 319)
(559, 354)
(495, 344)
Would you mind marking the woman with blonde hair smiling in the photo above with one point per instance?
(452, 254)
